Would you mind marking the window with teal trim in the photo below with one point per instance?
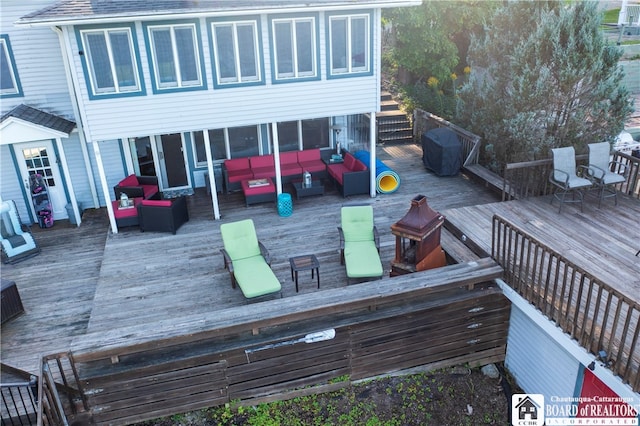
(236, 52)
(294, 46)
(111, 62)
(9, 82)
(349, 44)
(175, 56)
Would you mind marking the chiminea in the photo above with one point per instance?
(418, 239)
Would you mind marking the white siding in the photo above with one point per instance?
(538, 363)
(38, 59)
(113, 166)
(11, 183)
(78, 170)
(217, 108)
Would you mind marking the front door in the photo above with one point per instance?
(172, 161)
(40, 157)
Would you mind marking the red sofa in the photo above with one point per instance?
(292, 165)
(351, 176)
(137, 186)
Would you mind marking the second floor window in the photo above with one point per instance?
(294, 42)
(9, 83)
(111, 62)
(349, 44)
(237, 52)
(175, 56)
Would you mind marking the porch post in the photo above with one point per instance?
(105, 188)
(212, 176)
(372, 154)
(276, 157)
(67, 177)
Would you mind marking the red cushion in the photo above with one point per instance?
(349, 161)
(161, 203)
(290, 157)
(238, 175)
(261, 161)
(237, 164)
(359, 166)
(256, 190)
(130, 180)
(122, 213)
(309, 155)
(149, 190)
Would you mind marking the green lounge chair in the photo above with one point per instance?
(248, 260)
(359, 243)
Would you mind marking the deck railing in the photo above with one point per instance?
(424, 121)
(19, 406)
(599, 317)
(531, 178)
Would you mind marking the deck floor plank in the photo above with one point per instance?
(88, 280)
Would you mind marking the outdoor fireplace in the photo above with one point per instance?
(418, 239)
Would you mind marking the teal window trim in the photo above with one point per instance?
(11, 67)
(181, 84)
(349, 71)
(218, 80)
(280, 76)
(89, 71)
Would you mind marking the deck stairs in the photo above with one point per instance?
(394, 126)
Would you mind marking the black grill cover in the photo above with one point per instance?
(442, 152)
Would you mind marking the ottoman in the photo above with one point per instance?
(258, 191)
(126, 216)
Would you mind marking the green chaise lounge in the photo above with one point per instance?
(248, 260)
(359, 243)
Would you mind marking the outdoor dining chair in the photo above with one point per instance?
(600, 171)
(565, 179)
(248, 260)
(17, 242)
(359, 243)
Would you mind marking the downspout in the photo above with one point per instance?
(66, 50)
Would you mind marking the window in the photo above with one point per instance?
(237, 52)
(175, 56)
(110, 61)
(315, 134)
(349, 44)
(9, 82)
(216, 142)
(244, 141)
(294, 46)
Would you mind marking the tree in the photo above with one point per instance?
(543, 76)
(431, 42)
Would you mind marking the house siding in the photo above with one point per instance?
(38, 58)
(539, 364)
(151, 114)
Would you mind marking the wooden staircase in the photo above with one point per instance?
(394, 127)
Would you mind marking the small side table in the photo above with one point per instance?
(304, 263)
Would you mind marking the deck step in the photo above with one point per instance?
(394, 127)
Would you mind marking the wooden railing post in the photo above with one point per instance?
(598, 316)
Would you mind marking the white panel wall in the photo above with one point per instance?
(538, 363)
(113, 165)
(11, 183)
(78, 170)
(217, 108)
(39, 61)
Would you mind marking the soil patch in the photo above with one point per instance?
(456, 396)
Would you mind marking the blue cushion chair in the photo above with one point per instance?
(359, 243)
(248, 260)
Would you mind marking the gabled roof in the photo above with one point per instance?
(40, 118)
(74, 12)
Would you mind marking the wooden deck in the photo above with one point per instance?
(87, 282)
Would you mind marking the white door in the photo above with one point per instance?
(40, 157)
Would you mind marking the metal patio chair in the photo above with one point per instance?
(605, 174)
(565, 178)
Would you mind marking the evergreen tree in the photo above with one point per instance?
(543, 76)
